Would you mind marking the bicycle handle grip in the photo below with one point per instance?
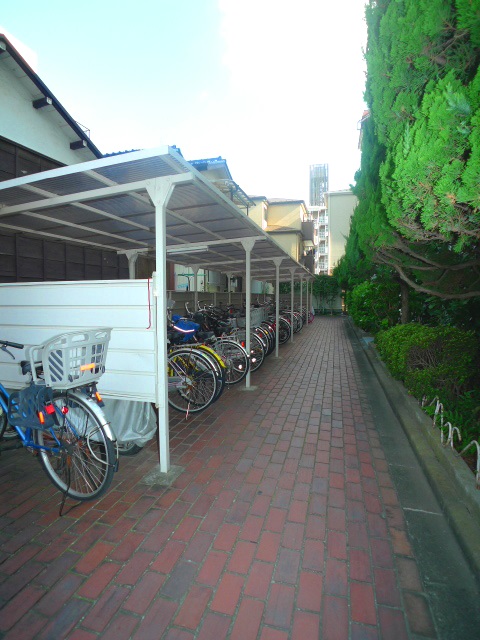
(14, 345)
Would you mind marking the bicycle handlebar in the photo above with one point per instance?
(14, 345)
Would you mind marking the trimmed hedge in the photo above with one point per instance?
(431, 361)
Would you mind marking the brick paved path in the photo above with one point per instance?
(283, 524)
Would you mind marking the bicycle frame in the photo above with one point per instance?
(26, 435)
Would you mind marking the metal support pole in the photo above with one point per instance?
(229, 286)
(248, 246)
(277, 262)
(301, 292)
(132, 255)
(292, 299)
(160, 191)
(195, 286)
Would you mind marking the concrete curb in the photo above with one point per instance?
(449, 476)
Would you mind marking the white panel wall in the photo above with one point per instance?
(31, 313)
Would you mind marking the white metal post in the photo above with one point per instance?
(229, 286)
(160, 191)
(309, 298)
(195, 286)
(292, 299)
(132, 255)
(277, 262)
(248, 245)
(301, 292)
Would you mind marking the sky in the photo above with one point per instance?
(271, 86)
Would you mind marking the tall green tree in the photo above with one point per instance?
(419, 182)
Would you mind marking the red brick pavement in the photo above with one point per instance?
(283, 524)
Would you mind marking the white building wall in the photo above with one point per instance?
(35, 129)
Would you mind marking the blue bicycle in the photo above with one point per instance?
(58, 415)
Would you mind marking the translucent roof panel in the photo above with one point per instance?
(106, 204)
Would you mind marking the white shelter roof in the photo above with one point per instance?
(105, 204)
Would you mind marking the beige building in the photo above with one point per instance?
(340, 206)
(288, 222)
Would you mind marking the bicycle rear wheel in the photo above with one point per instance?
(196, 382)
(235, 358)
(80, 459)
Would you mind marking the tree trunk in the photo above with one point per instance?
(405, 303)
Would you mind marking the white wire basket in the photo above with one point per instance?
(70, 360)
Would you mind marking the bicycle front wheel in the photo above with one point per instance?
(192, 381)
(79, 457)
(235, 358)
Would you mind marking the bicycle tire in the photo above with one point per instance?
(128, 448)
(83, 467)
(3, 421)
(217, 364)
(284, 331)
(235, 358)
(199, 387)
(257, 349)
(214, 360)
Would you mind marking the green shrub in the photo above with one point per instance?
(431, 361)
(374, 305)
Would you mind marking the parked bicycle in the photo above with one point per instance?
(58, 415)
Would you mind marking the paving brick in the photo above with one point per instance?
(121, 627)
(90, 560)
(313, 556)
(293, 535)
(408, 575)
(214, 626)
(135, 567)
(418, 615)
(360, 566)
(58, 595)
(105, 608)
(242, 557)
(305, 625)
(212, 568)
(193, 608)
(310, 591)
(268, 547)
(127, 547)
(335, 619)
(336, 577)
(179, 581)
(275, 521)
(166, 560)
(226, 537)
(386, 587)
(287, 566)
(273, 634)
(382, 555)
(362, 603)
(392, 624)
(259, 579)
(29, 627)
(227, 594)
(65, 620)
(336, 518)
(248, 619)
(363, 632)
(157, 619)
(298, 511)
(252, 529)
(280, 604)
(13, 611)
(337, 545)
(146, 590)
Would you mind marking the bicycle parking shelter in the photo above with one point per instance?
(150, 201)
